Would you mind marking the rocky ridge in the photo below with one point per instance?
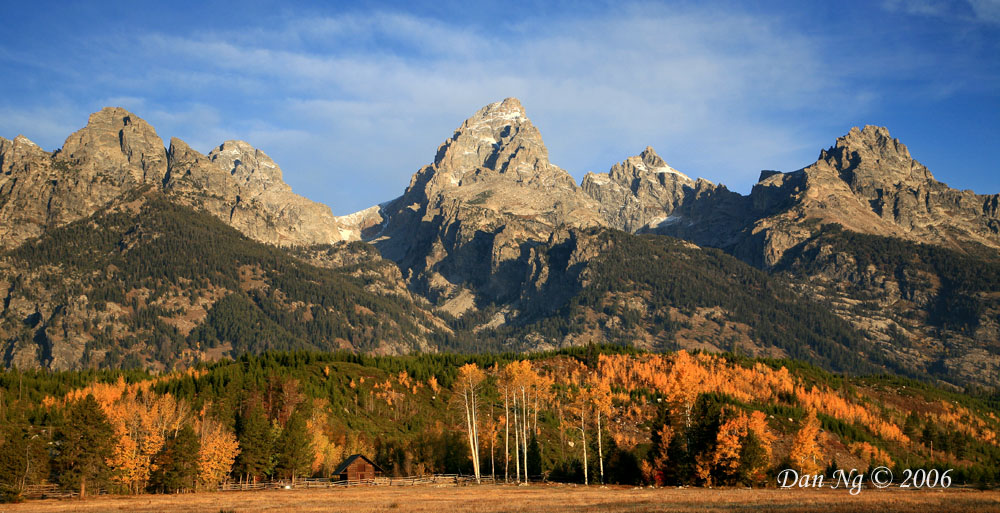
(638, 193)
(118, 152)
(867, 182)
(469, 218)
(493, 236)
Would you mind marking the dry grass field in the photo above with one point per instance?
(541, 498)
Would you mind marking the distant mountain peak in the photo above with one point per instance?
(870, 157)
(490, 188)
(639, 192)
(119, 145)
(498, 142)
(873, 140)
(248, 165)
(22, 140)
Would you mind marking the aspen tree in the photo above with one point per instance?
(470, 376)
(601, 396)
(805, 448)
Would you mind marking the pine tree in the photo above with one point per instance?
(753, 459)
(294, 451)
(176, 468)
(912, 426)
(23, 458)
(85, 442)
(534, 457)
(253, 431)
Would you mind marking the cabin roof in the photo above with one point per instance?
(351, 459)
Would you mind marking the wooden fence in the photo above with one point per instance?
(307, 483)
(53, 491)
(49, 491)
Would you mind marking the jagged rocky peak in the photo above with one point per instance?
(871, 157)
(17, 151)
(647, 165)
(243, 186)
(498, 142)
(25, 144)
(639, 192)
(117, 145)
(468, 217)
(116, 152)
(873, 140)
(869, 183)
(192, 172)
(248, 165)
(496, 161)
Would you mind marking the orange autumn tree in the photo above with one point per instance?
(683, 384)
(806, 453)
(470, 377)
(218, 451)
(600, 396)
(743, 446)
(870, 454)
(141, 421)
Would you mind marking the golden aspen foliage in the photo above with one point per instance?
(219, 449)
(806, 454)
(870, 454)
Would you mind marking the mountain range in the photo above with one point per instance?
(119, 250)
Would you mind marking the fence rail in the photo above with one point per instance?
(307, 483)
(53, 491)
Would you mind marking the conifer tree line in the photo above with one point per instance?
(588, 415)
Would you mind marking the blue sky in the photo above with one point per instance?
(351, 100)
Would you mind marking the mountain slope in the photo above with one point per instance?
(147, 282)
(660, 293)
(936, 309)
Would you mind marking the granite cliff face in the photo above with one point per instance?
(639, 193)
(867, 182)
(242, 186)
(118, 152)
(470, 218)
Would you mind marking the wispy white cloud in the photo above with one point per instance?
(985, 11)
(350, 106)
(600, 89)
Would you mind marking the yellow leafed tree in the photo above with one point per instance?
(806, 454)
(219, 449)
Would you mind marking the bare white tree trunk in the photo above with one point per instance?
(583, 434)
(524, 426)
(475, 436)
(506, 438)
(472, 442)
(536, 413)
(600, 447)
(517, 442)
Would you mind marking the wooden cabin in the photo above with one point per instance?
(358, 468)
